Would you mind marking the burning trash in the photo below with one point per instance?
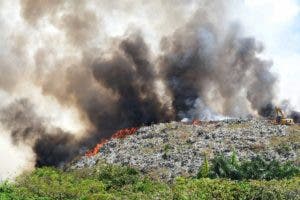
(97, 148)
(193, 122)
(196, 122)
(117, 135)
(124, 132)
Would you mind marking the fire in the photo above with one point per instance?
(196, 122)
(117, 135)
(97, 148)
(124, 132)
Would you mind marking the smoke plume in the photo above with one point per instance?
(50, 145)
(121, 65)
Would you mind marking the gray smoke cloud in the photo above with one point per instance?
(185, 60)
(51, 145)
(200, 57)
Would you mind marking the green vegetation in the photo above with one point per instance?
(205, 188)
(116, 177)
(204, 169)
(115, 182)
(283, 148)
(255, 169)
(102, 182)
(49, 183)
(166, 151)
(167, 148)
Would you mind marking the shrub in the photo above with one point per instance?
(257, 169)
(224, 167)
(6, 191)
(117, 176)
(116, 182)
(49, 183)
(205, 188)
(204, 171)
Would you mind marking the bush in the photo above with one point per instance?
(116, 182)
(227, 189)
(127, 183)
(6, 191)
(204, 171)
(117, 176)
(257, 169)
(49, 183)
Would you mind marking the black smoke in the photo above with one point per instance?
(268, 111)
(130, 75)
(295, 116)
(52, 146)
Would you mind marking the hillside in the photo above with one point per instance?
(168, 150)
(206, 160)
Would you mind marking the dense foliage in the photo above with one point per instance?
(255, 169)
(115, 182)
(205, 188)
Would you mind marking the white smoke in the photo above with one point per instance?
(14, 159)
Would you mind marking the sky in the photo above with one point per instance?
(277, 25)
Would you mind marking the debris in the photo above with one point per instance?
(145, 148)
(118, 135)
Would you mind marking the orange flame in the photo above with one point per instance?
(196, 122)
(117, 135)
(124, 132)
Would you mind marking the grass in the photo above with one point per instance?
(116, 182)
